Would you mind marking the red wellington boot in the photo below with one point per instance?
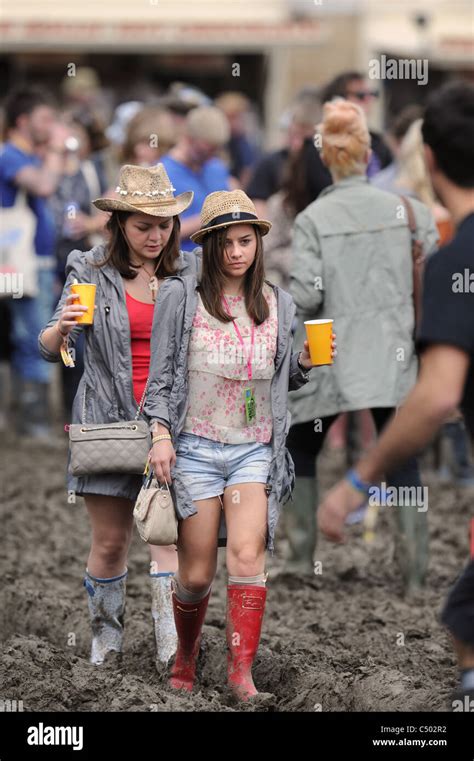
(245, 609)
(189, 618)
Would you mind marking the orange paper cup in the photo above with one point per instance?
(319, 333)
(86, 293)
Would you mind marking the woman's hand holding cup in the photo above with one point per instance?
(70, 312)
(305, 358)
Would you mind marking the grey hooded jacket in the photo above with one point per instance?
(107, 379)
(167, 396)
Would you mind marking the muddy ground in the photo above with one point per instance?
(331, 642)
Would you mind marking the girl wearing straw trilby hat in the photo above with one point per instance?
(142, 250)
(221, 366)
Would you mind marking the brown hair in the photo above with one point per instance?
(211, 286)
(296, 192)
(118, 249)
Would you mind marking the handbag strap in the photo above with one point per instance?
(418, 259)
(142, 400)
(84, 406)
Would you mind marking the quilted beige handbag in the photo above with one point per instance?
(154, 514)
(121, 447)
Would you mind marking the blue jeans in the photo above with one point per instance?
(29, 316)
(208, 467)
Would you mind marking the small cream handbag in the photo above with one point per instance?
(154, 513)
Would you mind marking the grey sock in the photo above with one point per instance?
(253, 581)
(185, 595)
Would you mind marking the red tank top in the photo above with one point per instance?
(140, 316)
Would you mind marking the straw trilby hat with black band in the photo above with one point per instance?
(147, 191)
(228, 207)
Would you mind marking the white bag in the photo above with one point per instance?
(18, 258)
(155, 515)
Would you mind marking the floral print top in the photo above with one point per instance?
(218, 373)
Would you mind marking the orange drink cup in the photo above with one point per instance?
(318, 333)
(86, 293)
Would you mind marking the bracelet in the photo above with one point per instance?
(64, 335)
(357, 484)
(304, 370)
(161, 437)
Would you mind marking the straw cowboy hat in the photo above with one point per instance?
(147, 191)
(228, 207)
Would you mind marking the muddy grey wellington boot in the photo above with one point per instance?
(163, 617)
(300, 525)
(106, 600)
(411, 547)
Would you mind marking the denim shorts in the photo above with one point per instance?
(208, 467)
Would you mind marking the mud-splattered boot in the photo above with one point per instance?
(106, 600)
(189, 618)
(245, 609)
(163, 618)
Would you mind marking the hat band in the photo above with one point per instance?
(163, 202)
(234, 216)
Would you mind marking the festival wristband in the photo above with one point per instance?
(304, 370)
(63, 335)
(357, 483)
(66, 354)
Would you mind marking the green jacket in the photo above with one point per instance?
(352, 263)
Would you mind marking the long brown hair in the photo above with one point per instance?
(296, 193)
(213, 277)
(117, 253)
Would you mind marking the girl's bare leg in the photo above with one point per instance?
(111, 521)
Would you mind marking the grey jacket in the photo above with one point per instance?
(352, 262)
(167, 397)
(107, 379)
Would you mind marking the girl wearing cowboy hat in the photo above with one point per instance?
(142, 250)
(221, 366)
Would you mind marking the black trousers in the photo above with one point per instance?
(305, 444)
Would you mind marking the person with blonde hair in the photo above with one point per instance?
(352, 263)
(194, 164)
(149, 135)
(354, 88)
(346, 138)
(414, 180)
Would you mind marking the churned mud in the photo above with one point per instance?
(342, 640)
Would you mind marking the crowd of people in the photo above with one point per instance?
(198, 239)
